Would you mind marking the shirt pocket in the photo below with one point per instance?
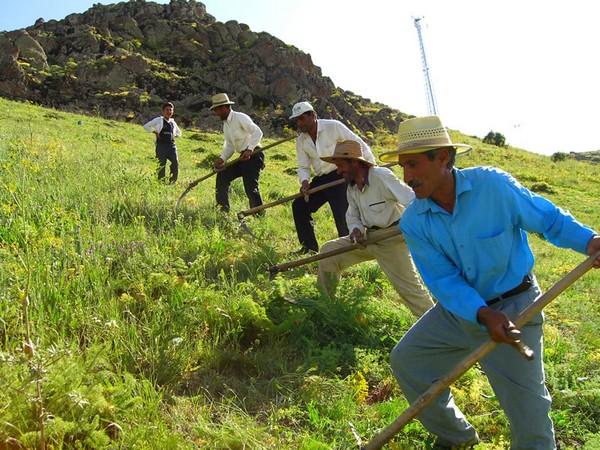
(493, 239)
(377, 207)
(493, 252)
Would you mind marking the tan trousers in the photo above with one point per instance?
(393, 257)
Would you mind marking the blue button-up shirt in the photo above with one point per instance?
(480, 250)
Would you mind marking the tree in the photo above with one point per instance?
(495, 138)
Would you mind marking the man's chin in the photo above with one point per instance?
(420, 194)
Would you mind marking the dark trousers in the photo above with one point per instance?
(164, 153)
(250, 172)
(302, 210)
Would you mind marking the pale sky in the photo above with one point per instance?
(528, 69)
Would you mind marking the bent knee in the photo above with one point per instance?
(329, 246)
(398, 358)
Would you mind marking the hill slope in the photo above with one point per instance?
(127, 324)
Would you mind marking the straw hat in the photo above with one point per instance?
(420, 135)
(346, 150)
(300, 108)
(220, 99)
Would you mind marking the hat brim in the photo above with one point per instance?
(221, 104)
(461, 149)
(331, 159)
(293, 116)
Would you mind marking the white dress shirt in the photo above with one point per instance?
(381, 202)
(240, 134)
(329, 132)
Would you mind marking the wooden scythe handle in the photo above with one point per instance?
(228, 164)
(256, 209)
(300, 262)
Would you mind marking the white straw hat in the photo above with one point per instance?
(420, 135)
(220, 99)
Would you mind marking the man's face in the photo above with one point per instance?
(221, 112)
(168, 112)
(422, 174)
(347, 168)
(306, 122)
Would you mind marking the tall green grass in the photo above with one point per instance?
(156, 328)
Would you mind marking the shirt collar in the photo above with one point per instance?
(365, 178)
(462, 183)
(318, 127)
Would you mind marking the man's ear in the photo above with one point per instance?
(443, 156)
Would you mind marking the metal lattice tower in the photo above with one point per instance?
(431, 108)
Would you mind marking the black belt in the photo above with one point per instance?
(383, 228)
(525, 284)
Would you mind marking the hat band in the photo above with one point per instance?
(442, 142)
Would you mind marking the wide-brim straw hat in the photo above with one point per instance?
(220, 99)
(346, 150)
(420, 135)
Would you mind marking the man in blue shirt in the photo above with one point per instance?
(467, 232)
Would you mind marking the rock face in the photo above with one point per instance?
(122, 61)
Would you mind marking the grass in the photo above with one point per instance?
(127, 324)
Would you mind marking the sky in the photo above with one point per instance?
(528, 69)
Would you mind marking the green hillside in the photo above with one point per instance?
(125, 323)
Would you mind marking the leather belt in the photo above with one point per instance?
(525, 284)
(383, 228)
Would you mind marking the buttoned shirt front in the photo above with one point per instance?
(329, 133)
(381, 202)
(481, 250)
(241, 133)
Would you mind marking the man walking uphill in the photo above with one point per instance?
(318, 138)
(166, 130)
(376, 201)
(467, 232)
(242, 136)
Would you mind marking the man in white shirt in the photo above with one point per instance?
(242, 136)
(166, 130)
(318, 138)
(376, 201)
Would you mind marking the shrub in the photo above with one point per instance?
(559, 156)
(543, 188)
(495, 138)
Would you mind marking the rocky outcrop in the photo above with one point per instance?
(123, 61)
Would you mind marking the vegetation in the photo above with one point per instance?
(558, 156)
(125, 323)
(495, 138)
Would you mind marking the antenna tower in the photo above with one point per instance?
(431, 108)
